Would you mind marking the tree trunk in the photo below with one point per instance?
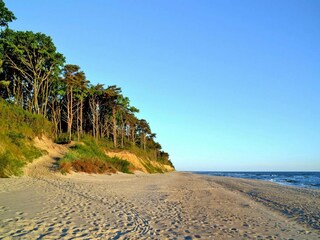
(108, 129)
(35, 99)
(114, 121)
(93, 120)
(97, 121)
(70, 114)
(78, 121)
(122, 135)
(133, 135)
(81, 117)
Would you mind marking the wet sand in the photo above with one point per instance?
(47, 205)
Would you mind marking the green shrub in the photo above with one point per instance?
(92, 166)
(62, 139)
(89, 156)
(121, 165)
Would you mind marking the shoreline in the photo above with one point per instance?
(296, 203)
(286, 181)
(178, 205)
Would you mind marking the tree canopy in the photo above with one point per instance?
(31, 64)
(34, 75)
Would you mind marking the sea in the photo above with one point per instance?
(295, 179)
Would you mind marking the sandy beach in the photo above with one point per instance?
(47, 205)
(102, 102)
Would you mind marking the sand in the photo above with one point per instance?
(47, 205)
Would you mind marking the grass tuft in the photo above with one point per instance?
(9, 165)
(62, 139)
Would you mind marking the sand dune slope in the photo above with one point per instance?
(138, 163)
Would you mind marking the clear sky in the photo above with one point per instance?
(226, 85)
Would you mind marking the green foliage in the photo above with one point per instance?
(62, 139)
(15, 120)
(6, 15)
(16, 152)
(121, 165)
(9, 165)
(152, 169)
(89, 156)
(30, 61)
(17, 130)
(151, 154)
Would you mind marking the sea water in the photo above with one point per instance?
(295, 179)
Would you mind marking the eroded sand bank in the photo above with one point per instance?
(47, 205)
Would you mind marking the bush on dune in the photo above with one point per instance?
(89, 157)
(92, 166)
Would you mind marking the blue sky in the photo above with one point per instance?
(226, 85)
